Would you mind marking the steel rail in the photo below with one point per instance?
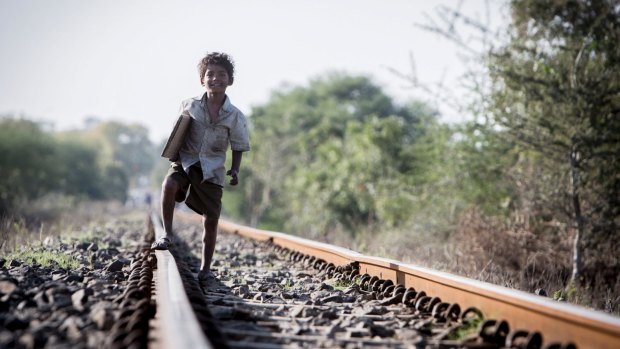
(178, 324)
(557, 322)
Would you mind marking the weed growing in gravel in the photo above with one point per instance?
(288, 285)
(469, 328)
(340, 285)
(44, 258)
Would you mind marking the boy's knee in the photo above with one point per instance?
(170, 185)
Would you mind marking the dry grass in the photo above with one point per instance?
(509, 252)
(53, 217)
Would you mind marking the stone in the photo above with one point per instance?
(58, 274)
(26, 303)
(82, 245)
(14, 323)
(114, 266)
(71, 327)
(61, 301)
(381, 331)
(27, 340)
(14, 263)
(92, 247)
(101, 315)
(48, 241)
(41, 299)
(79, 298)
(541, 292)
(8, 286)
(6, 339)
(72, 278)
(333, 298)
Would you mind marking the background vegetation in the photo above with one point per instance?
(99, 162)
(525, 194)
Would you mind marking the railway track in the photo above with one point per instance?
(278, 291)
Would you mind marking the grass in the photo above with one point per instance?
(288, 285)
(340, 285)
(505, 251)
(59, 217)
(466, 330)
(43, 257)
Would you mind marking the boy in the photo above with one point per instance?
(215, 123)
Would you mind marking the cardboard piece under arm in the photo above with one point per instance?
(177, 138)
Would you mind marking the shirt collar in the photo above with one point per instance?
(226, 107)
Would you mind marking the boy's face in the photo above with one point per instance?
(216, 79)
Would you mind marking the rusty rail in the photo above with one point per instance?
(178, 325)
(558, 322)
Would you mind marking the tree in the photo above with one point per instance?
(557, 93)
(27, 166)
(338, 149)
(124, 146)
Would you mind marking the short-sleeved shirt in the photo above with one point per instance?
(207, 142)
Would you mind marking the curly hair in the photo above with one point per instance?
(218, 58)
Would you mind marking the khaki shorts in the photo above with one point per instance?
(205, 198)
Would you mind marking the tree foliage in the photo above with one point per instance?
(96, 164)
(339, 155)
(557, 94)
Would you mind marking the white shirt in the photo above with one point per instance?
(207, 142)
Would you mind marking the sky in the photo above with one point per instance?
(134, 61)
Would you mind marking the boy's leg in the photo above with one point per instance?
(209, 236)
(169, 191)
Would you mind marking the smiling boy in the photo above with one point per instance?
(216, 123)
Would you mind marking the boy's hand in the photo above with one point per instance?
(233, 173)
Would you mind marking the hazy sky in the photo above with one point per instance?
(136, 60)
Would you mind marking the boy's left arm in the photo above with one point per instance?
(234, 169)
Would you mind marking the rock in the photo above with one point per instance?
(26, 303)
(101, 315)
(41, 299)
(329, 314)
(61, 301)
(320, 295)
(92, 247)
(326, 287)
(72, 278)
(8, 286)
(241, 291)
(4, 305)
(95, 339)
(115, 266)
(48, 241)
(79, 298)
(333, 298)
(14, 263)
(370, 309)
(249, 279)
(14, 323)
(82, 245)
(381, 331)
(6, 339)
(27, 340)
(541, 292)
(58, 274)
(71, 327)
